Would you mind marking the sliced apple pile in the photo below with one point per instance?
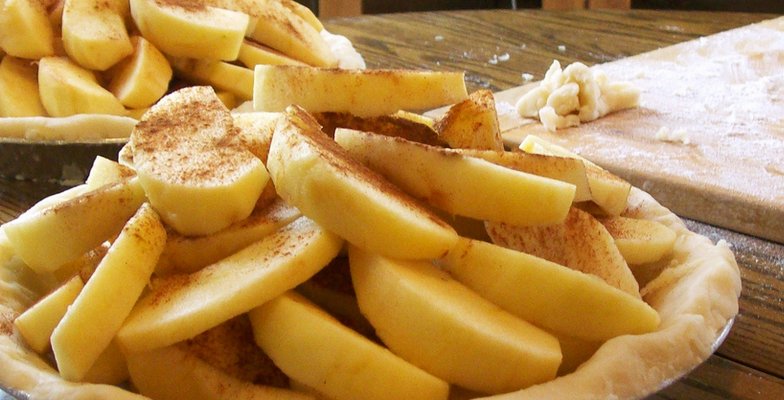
(119, 57)
(254, 255)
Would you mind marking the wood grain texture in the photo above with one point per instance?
(722, 92)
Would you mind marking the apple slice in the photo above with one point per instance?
(439, 325)
(142, 79)
(107, 298)
(175, 310)
(581, 242)
(547, 294)
(67, 89)
(195, 172)
(315, 349)
(253, 54)
(361, 92)
(640, 241)
(461, 185)
(19, 85)
(49, 236)
(472, 123)
(255, 131)
(191, 29)
(235, 79)
(37, 322)
(191, 253)
(279, 27)
(570, 170)
(608, 191)
(94, 33)
(105, 171)
(316, 175)
(173, 373)
(26, 31)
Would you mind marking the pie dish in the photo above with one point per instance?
(695, 292)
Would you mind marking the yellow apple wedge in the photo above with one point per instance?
(195, 172)
(253, 54)
(640, 241)
(25, 30)
(190, 253)
(557, 298)
(256, 130)
(196, 31)
(66, 89)
(94, 33)
(37, 322)
(141, 79)
(313, 173)
(360, 92)
(305, 13)
(105, 171)
(313, 348)
(47, 237)
(175, 310)
(461, 185)
(570, 170)
(472, 123)
(441, 326)
(19, 85)
(581, 242)
(234, 79)
(279, 27)
(107, 298)
(608, 191)
(173, 373)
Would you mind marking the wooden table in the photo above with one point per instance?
(494, 48)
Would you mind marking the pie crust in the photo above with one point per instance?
(696, 294)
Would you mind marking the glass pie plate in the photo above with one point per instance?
(695, 292)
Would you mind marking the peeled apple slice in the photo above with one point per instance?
(313, 348)
(107, 298)
(68, 89)
(198, 31)
(94, 33)
(549, 295)
(19, 86)
(47, 237)
(37, 322)
(195, 172)
(459, 184)
(142, 79)
(316, 175)
(26, 31)
(640, 241)
(361, 92)
(441, 326)
(175, 308)
(174, 373)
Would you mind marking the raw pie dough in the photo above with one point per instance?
(696, 296)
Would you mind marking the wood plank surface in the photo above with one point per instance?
(725, 94)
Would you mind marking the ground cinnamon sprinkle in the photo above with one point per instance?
(189, 5)
(7, 318)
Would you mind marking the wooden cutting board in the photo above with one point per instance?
(725, 92)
